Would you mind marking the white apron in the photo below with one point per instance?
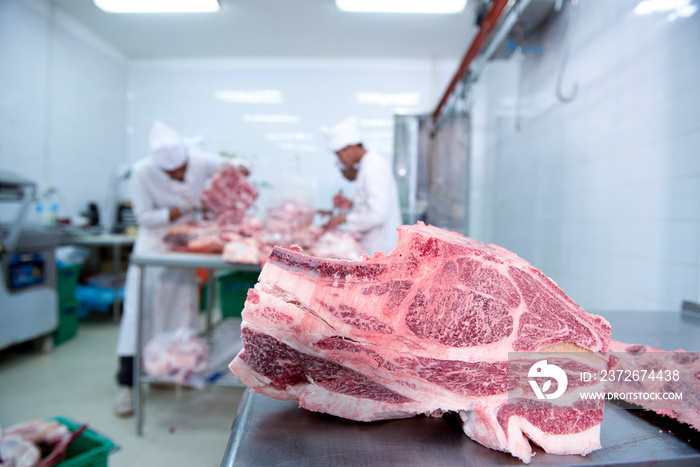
(376, 212)
(171, 298)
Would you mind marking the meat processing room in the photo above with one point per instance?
(349, 233)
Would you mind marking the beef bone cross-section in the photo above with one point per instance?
(425, 329)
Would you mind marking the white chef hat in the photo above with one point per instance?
(342, 134)
(167, 148)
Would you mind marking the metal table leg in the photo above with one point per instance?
(138, 389)
(211, 279)
(117, 269)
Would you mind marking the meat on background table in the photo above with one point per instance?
(271, 432)
(210, 262)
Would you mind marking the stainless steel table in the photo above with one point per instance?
(116, 241)
(271, 432)
(210, 262)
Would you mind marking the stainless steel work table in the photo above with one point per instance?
(116, 241)
(271, 432)
(211, 263)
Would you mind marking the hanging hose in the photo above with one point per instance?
(565, 56)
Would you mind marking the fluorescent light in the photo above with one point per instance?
(377, 135)
(297, 147)
(660, 6)
(157, 6)
(402, 6)
(266, 118)
(409, 99)
(687, 11)
(272, 96)
(289, 136)
(377, 123)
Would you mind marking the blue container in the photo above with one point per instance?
(94, 298)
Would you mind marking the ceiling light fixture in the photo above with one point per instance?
(409, 99)
(402, 6)
(271, 96)
(157, 6)
(265, 118)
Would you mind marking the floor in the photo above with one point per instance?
(75, 380)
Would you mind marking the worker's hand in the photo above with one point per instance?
(335, 221)
(324, 212)
(340, 201)
(175, 214)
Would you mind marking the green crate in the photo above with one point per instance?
(90, 449)
(66, 281)
(67, 322)
(203, 291)
(233, 290)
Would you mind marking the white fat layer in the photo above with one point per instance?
(318, 399)
(482, 426)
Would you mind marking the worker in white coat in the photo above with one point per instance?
(165, 189)
(375, 213)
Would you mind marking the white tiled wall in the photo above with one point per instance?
(62, 104)
(317, 92)
(602, 193)
(75, 112)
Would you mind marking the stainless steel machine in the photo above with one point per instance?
(28, 297)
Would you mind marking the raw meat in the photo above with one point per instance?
(176, 356)
(22, 445)
(423, 330)
(242, 238)
(210, 236)
(229, 195)
(38, 431)
(16, 451)
(200, 237)
(636, 357)
(341, 202)
(287, 223)
(240, 249)
(337, 244)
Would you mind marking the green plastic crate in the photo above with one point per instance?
(203, 296)
(67, 322)
(233, 290)
(66, 281)
(90, 449)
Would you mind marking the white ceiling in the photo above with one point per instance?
(278, 28)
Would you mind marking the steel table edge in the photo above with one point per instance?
(227, 460)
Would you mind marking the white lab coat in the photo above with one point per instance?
(170, 294)
(375, 213)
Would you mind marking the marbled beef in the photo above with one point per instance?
(425, 329)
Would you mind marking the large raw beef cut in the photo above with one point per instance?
(425, 329)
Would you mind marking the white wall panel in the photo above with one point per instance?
(23, 89)
(602, 193)
(317, 92)
(63, 105)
